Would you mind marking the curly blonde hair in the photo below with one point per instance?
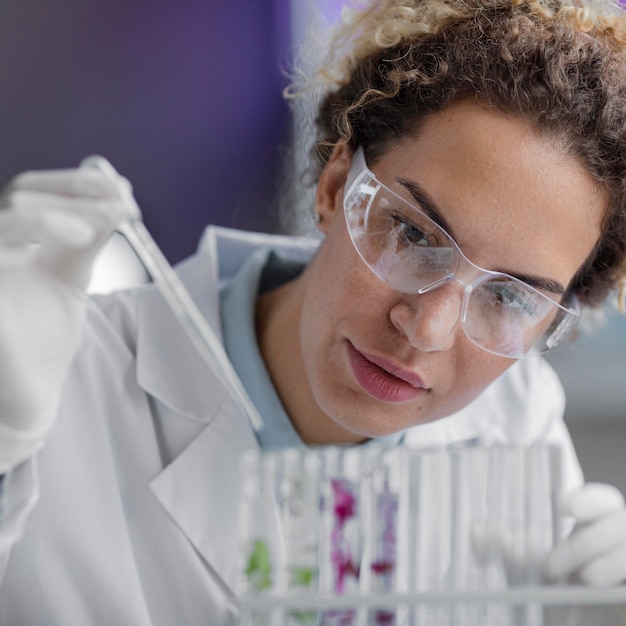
(560, 66)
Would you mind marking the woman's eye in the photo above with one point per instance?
(410, 232)
(513, 298)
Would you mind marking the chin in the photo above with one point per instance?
(371, 430)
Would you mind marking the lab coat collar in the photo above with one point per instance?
(187, 387)
(231, 247)
(199, 488)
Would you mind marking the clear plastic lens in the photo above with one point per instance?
(409, 251)
(505, 317)
(508, 299)
(402, 246)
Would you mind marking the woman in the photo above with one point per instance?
(470, 194)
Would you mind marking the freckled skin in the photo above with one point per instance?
(515, 202)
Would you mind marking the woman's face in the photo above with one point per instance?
(375, 361)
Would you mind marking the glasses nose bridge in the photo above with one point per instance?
(467, 276)
(463, 288)
(465, 273)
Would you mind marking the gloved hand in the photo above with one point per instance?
(595, 552)
(52, 224)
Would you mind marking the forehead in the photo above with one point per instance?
(514, 199)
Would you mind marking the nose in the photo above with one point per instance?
(430, 321)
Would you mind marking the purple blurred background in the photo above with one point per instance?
(184, 98)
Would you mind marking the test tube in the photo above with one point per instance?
(299, 498)
(341, 537)
(430, 512)
(380, 571)
(543, 485)
(260, 532)
(427, 515)
(543, 477)
(470, 547)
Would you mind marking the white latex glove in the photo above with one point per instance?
(52, 224)
(595, 552)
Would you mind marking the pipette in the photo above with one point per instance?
(184, 309)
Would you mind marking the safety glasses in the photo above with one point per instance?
(405, 248)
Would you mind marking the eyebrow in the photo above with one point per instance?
(426, 204)
(430, 208)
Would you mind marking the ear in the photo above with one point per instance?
(329, 194)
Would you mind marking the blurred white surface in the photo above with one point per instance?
(592, 368)
(593, 371)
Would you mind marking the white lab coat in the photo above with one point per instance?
(132, 500)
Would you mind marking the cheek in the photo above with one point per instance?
(340, 282)
(475, 371)
(332, 296)
(343, 300)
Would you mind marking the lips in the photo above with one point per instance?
(383, 380)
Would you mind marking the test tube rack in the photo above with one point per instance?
(378, 535)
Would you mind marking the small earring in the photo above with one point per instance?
(317, 218)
